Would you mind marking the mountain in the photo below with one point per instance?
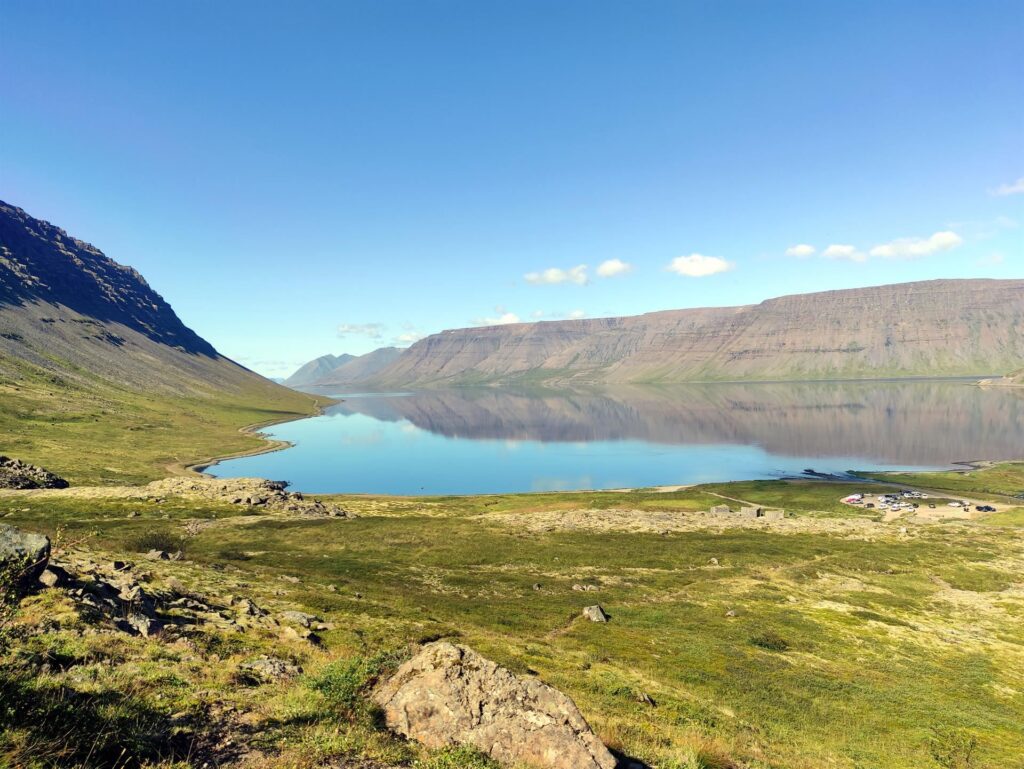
(361, 368)
(330, 370)
(99, 378)
(309, 373)
(931, 328)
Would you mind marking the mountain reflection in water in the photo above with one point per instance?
(628, 435)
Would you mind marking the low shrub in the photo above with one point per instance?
(770, 641)
(156, 540)
(346, 683)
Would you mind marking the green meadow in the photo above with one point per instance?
(829, 640)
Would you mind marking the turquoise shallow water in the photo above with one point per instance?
(493, 441)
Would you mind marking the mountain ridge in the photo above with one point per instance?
(927, 328)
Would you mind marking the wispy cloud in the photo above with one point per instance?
(612, 267)
(369, 330)
(409, 337)
(992, 260)
(577, 314)
(801, 250)
(912, 248)
(554, 276)
(1013, 188)
(844, 251)
(698, 265)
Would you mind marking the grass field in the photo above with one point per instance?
(853, 645)
(99, 433)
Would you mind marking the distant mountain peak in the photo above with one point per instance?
(328, 370)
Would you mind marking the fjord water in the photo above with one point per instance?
(486, 440)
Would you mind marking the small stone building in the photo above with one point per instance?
(720, 510)
(769, 514)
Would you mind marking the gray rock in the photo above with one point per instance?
(595, 613)
(24, 553)
(270, 668)
(298, 618)
(450, 695)
(158, 555)
(54, 576)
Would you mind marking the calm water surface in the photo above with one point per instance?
(487, 441)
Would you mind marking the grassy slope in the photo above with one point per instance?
(94, 432)
(913, 644)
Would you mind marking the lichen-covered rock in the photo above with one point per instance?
(450, 695)
(24, 553)
(15, 474)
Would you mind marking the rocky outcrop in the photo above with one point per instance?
(23, 554)
(450, 695)
(15, 474)
(252, 492)
(940, 327)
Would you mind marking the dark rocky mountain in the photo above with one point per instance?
(931, 328)
(42, 264)
(72, 318)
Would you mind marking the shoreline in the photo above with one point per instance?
(270, 445)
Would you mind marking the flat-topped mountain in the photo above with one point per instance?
(931, 328)
(88, 343)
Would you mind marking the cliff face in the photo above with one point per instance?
(933, 328)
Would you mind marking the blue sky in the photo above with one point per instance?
(318, 177)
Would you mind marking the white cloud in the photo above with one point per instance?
(698, 265)
(612, 267)
(801, 250)
(537, 314)
(843, 251)
(369, 330)
(911, 248)
(503, 318)
(554, 276)
(577, 314)
(992, 260)
(1013, 188)
(409, 337)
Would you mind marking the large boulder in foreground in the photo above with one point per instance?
(15, 474)
(23, 553)
(450, 695)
